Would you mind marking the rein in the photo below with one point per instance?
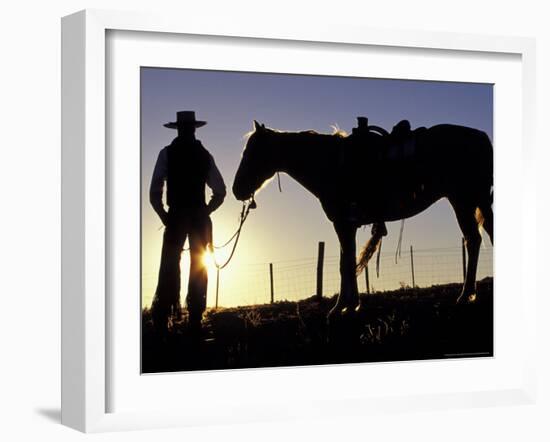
(247, 206)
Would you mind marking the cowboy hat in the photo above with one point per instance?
(185, 118)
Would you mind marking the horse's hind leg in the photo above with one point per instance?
(466, 217)
(487, 214)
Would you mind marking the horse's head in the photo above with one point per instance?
(257, 163)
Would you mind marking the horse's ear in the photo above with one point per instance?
(258, 126)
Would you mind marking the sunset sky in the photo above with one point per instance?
(286, 227)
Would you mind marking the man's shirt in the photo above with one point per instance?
(214, 180)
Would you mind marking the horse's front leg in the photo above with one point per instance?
(348, 297)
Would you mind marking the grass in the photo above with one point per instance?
(405, 324)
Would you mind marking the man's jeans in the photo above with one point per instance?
(196, 226)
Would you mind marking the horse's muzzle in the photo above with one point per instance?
(240, 195)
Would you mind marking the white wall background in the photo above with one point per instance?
(30, 221)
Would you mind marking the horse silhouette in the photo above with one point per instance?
(373, 177)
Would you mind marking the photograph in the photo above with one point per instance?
(295, 220)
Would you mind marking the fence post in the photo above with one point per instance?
(217, 285)
(367, 279)
(320, 262)
(271, 281)
(463, 259)
(412, 267)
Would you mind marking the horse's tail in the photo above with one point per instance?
(484, 212)
(489, 167)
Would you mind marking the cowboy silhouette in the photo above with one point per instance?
(186, 167)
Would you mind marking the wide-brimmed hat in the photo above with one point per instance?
(185, 118)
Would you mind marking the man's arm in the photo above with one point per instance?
(157, 185)
(214, 180)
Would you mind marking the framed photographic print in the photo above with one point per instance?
(269, 303)
(250, 213)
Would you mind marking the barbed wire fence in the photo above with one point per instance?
(298, 279)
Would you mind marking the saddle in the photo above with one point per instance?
(371, 158)
(401, 142)
(392, 149)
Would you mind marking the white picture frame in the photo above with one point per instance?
(85, 201)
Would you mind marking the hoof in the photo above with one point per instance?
(466, 299)
(348, 311)
(343, 309)
(335, 312)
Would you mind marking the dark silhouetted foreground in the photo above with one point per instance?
(407, 324)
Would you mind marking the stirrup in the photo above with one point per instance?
(379, 229)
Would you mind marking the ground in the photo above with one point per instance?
(406, 324)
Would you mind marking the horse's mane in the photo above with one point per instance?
(325, 139)
(337, 133)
